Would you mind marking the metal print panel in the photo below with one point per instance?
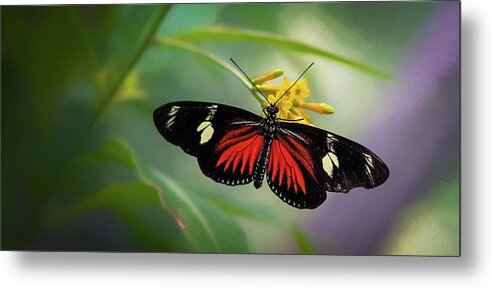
(279, 128)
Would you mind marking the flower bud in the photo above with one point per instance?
(321, 108)
(268, 76)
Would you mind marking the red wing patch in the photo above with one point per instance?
(239, 148)
(287, 157)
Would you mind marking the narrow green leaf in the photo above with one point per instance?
(118, 194)
(146, 36)
(206, 227)
(115, 151)
(210, 57)
(229, 34)
(135, 203)
(244, 209)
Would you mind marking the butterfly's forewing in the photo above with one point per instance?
(306, 162)
(224, 139)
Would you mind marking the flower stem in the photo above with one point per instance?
(171, 42)
(113, 89)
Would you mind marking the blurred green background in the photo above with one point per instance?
(83, 167)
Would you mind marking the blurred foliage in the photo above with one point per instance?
(82, 164)
(73, 63)
(428, 227)
(63, 67)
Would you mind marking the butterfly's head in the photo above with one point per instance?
(272, 110)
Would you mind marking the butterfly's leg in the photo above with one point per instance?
(291, 120)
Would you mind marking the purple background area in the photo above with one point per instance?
(419, 139)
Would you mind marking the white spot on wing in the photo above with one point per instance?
(203, 125)
(174, 110)
(211, 112)
(170, 121)
(368, 169)
(369, 160)
(207, 131)
(328, 165)
(334, 158)
(332, 138)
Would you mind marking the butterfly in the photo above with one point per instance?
(235, 147)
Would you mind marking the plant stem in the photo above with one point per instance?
(171, 42)
(230, 34)
(111, 93)
(113, 89)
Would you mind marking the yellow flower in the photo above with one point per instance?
(283, 106)
(292, 106)
(299, 92)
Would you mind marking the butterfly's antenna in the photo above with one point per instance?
(266, 98)
(294, 83)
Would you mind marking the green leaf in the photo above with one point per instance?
(62, 66)
(145, 35)
(303, 242)
(83, 55)
(240, 207)
(115, 151)
(119, 194)
(207, 228)
(133, 202)
(76, 48)
(211, 58)
(230, 34)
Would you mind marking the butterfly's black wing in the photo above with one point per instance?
(225, 139)
(306, 162)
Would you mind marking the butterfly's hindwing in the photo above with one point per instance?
(349, 165)
(224, 139)
(341, 164)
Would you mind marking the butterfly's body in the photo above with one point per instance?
(236, 147)
(269, 127)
